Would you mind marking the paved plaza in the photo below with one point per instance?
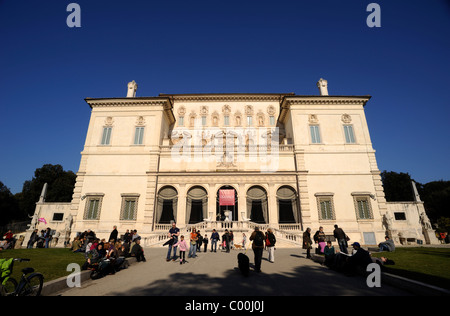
(217, 274)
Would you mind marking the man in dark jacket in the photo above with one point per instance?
(258, 246)
(214, 238)
(359, 261)
(114, 234)
(341, 238)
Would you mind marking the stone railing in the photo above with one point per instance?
(290, 233)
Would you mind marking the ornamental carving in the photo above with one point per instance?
(192, 117)
(109, 121)
(181, 111)
(313, 119)
(226, 109)
(204, 110)
(140, 121)
(260, 118)
(238, 118)
(271, 110)
(249, 110)
(215, 119)
(346, 118)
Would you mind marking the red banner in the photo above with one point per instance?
(226, 197)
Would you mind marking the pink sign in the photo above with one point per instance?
(226, 197)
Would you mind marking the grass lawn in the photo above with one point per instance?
(424, 264)
(52, 263)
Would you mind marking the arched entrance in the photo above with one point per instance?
(196, 205)
(166, 208)
(287, 205)
(257, 206)
(228, 202)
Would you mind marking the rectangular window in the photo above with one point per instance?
(106, 137)
(349, 135)
(203, 120)
(129, 208)
(400, 216)
(226, 120)
(325, 205)
(363, 208)
(272, 120)
(139, 136)
(249, 121)
(315, 135)
(92, 210)
(181, 121)
(58, 217)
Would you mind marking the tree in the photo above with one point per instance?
(436, 197)
(397, 186)
(9, 208)
(60, 187)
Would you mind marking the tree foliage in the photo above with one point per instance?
(9, 207)
(17, 207)
(435, 194)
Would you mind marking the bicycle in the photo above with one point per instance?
(30, 285)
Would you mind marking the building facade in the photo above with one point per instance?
(232, 161)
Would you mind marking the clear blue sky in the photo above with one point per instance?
(47, 68)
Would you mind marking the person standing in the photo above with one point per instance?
(226, 239)
(174, 232)
(270, 245)
(342, 238)
(205, 243)
(33, 239)
(319, 238)
(307, 242)
(193, 247)
(48, 237)
(114, 234)
(258, 246)
(214, 238)
(183, 247)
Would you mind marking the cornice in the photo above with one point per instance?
(236, 97)
(289, 101)
(113, 102)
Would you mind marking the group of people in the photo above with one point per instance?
(42, 239)
(114, 251)
(196, 240)
(349, 264)
(321, 239)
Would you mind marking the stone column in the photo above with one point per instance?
(181, 208)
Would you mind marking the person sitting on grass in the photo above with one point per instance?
(388, 245)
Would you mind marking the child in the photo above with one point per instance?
(183, 247)
(205, 243)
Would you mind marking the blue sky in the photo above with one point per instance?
(47, 68)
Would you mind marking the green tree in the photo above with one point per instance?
(9, 208)
(397, 186)
(436, 198)
(60, 187)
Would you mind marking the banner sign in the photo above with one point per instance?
(226, 197)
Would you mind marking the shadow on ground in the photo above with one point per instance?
(302, 280)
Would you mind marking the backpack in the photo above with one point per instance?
(259, 239)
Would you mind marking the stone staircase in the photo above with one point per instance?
(287, 236)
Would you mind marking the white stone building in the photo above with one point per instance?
(288, 161)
